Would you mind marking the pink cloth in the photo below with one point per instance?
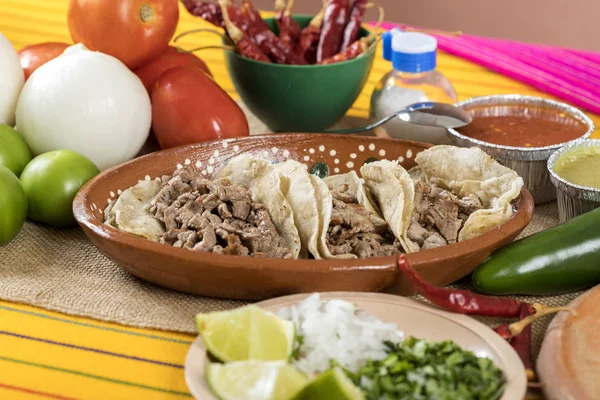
(571, 75)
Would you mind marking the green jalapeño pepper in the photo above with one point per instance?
(557, 260)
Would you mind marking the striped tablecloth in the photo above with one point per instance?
(46, 354)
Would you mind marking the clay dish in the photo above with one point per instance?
(255, 278)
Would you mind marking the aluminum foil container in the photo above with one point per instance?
(528, 162)
(573, 200)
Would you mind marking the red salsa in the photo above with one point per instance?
(522, 127)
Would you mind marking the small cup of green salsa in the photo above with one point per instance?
(575, 172)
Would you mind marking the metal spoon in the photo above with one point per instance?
(428, 113)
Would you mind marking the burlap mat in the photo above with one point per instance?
(61, 270)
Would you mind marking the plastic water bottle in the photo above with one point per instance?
(413, 79)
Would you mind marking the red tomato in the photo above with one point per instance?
(170, 58)
(34, 56)
(189, 107)
(134, 31)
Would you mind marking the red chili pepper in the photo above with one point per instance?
(352, 51)
(244, 45)
(522, 342)
(279, 9)
(336, 17)
(210, 12)
(289, 30)
(357, 13)
(268, 42)
(359, 46)
(276, 49)
(309, 39)
(256, 21)
(460, 301)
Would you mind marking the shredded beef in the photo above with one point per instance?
(439, 215)
(215, 216)
(353, 230)
(434, 240)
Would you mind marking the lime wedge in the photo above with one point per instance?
(247, 333)
(255, 380)
(331, 385)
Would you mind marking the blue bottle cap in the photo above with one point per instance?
(413, 52)
(387, 43)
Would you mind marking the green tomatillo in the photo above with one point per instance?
(51, 181)
(13, 205)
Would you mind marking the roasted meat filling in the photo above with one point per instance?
(215, 216)
(353, 230)
(439, 215)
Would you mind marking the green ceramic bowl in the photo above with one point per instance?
(299, 98)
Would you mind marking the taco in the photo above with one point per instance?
(351, 226)
(334, 216)
(298, 189)
(130, 212)
(471, 173)
(393, 191)
(454, 194)
(186, 210)
(265, 187)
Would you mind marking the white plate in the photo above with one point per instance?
(411, 317)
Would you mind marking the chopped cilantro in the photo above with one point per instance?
(420, 370)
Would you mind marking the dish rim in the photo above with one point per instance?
(515, 389)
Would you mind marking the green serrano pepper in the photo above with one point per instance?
(557, 260)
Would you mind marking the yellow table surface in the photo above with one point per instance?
(46, 354)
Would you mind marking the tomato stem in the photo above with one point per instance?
(146, 13)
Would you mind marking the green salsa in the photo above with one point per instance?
(580, 166)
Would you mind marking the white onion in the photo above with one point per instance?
(11, 81)
(88, 102)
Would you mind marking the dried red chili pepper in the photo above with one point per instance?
(279, 9)
(522, 343)
(460, 301)
(357, 12)
(519, 333)
(289, 30)
(309, 38)
(359, 46)
(334, 22)
(244, 45)
(276, 49)
(256, 21)
(210, 12)
(352, 51)
(268, 42)
(535, 311)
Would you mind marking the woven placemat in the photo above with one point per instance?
(61, 270)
